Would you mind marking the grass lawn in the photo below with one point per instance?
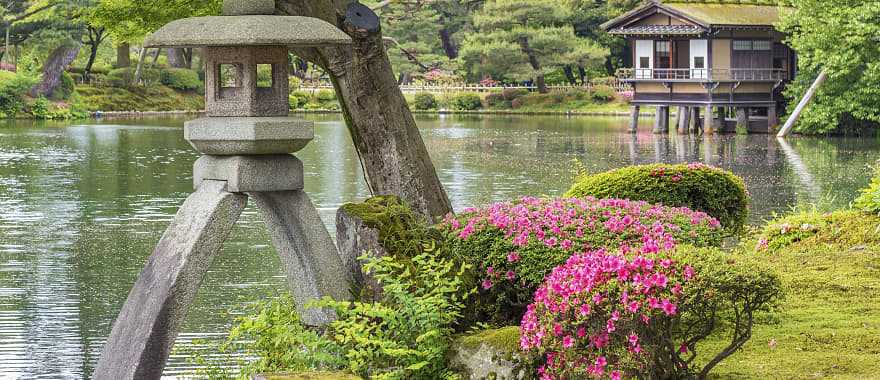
(829, 323)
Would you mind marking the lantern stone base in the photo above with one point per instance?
(251, 173)
(144, 333)
(231, 136)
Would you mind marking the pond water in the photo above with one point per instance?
(82, 205)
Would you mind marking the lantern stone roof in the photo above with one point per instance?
(714, 14)
(248, 30)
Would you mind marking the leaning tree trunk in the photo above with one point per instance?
(123, 55)
(382, 127)
(536, 65)
(177, 58)
(58, 61)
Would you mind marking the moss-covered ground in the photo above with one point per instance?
(152, 98)
(829, 324)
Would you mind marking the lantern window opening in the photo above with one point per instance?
(265, 75)
(230, 79)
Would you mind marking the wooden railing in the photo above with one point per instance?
(618, 86)
(698, 75)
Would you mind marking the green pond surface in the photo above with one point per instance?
(82, 204)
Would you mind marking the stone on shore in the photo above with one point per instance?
(490, 354)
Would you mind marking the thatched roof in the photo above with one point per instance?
(710, 13)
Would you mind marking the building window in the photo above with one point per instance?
(699, 62)
(663, 54)
(644, 62)
(761, 45)
(742, 45)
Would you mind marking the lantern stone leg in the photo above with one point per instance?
(311, 261)
(153, 314)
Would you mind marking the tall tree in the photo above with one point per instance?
(841, 37)
(588, 15)
(526, 39)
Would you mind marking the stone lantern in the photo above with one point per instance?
(247, 143)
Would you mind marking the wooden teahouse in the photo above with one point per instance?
(722, 59)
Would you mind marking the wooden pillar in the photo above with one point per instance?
(742, 120)
(634, 119)
(709, 121)
(661, 123)
(684, 117)
(694, 125)
(772, 119)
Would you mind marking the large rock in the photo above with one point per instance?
(360, 229)
(490, 354)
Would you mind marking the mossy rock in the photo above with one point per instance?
(488, 354)
(699, 187)
(309, 376)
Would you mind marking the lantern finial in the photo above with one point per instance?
(248, 7)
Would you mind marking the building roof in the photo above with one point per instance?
(718, 13)
(652, 30)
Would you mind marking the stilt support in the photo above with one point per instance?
(709, 122)
(635, 112)
(772, 119)
(684, 116)
(742, 120)
(661, 123)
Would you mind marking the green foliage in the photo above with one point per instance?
(523, 39)
(13, 87)
(66, 88)
(869, 201)
(298, 99)
(466, 101)
(407, 334)
(279, 342)
(727, 297)
(425, 101)
(40, 108)
(326, 96)
(120, 77)
(603, 94)
(181, 79)
(714, 191)
(294, 83)
(838, 36)
(131, 20)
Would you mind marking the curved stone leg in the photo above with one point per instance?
(311, 261)
(146, 327)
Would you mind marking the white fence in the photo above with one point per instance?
(441, 89)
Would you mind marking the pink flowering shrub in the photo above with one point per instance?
(697, 186)
(515, 245)
(642, 314)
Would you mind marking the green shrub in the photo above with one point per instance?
(869, 201)
(497, 100)
(326, 96)
(466, 101)
(512, 94)
(120, 77)
(406, 335)
(13, 87)
(181, 79)
(603, 94)
(40, 108)
(299, 99)
(425, 101)
(65, 88)
(294, 83)
(699, 187)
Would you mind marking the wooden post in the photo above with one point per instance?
(772, 119)
(684, 117)
(634, 119)
(709, 120)
(742, 120)
(694, 125)
(786, 129)
(661, 124)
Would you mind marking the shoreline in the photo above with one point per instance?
(136, 114)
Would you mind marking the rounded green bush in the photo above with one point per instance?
(869, 201)
(181, 79)
(66, 88)
(326, 95)
(425, 101)
(497, 100)
(466, 102)
(603, 93)
(120, 77)
(714, 191)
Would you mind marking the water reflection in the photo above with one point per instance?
(82, 206)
